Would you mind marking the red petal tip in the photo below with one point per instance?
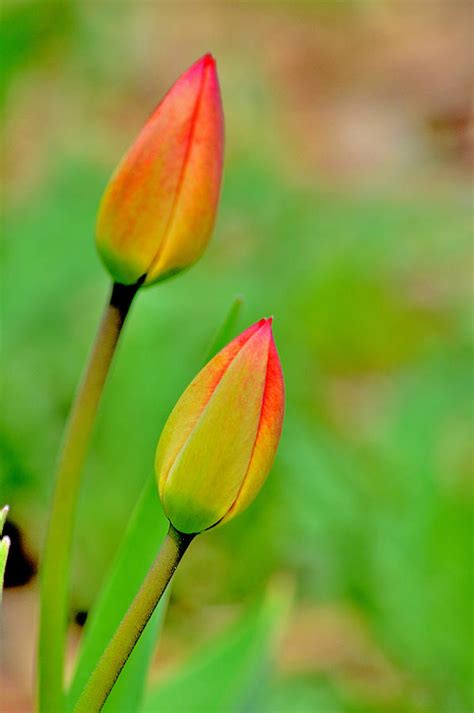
(266, 324)
(208, 59)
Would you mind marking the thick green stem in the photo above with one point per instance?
(122, 643)
(57, 550)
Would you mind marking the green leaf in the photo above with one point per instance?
(133, 561)
(227, 330)
(127, 694)
(4, 547)
(131, 565)
(233, 672)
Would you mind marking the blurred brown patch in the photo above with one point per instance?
(335, 641)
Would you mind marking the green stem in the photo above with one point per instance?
(57, 549)
(122, 643)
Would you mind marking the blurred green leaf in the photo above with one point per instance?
(226, 332)
(423, 549)
(232, 673)
(305, 694)
(145, 531)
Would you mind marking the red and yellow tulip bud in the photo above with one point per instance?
(219, 442)
(158, 210)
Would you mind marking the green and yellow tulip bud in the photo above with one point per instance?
(219, 442)
(159, 208)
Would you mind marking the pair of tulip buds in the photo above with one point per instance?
(155, 219)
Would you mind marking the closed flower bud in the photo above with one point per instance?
(220, 440)
(158, 210)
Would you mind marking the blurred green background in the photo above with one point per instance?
(346, 214)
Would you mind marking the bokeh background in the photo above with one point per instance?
(346, 214)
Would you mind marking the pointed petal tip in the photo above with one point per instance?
(207, 60)
(264, 323)
(201, 66)
(264, 328)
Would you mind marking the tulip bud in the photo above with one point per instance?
(158, 210)
(220, 440)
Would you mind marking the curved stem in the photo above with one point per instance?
(57, 549)
(122, 643)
